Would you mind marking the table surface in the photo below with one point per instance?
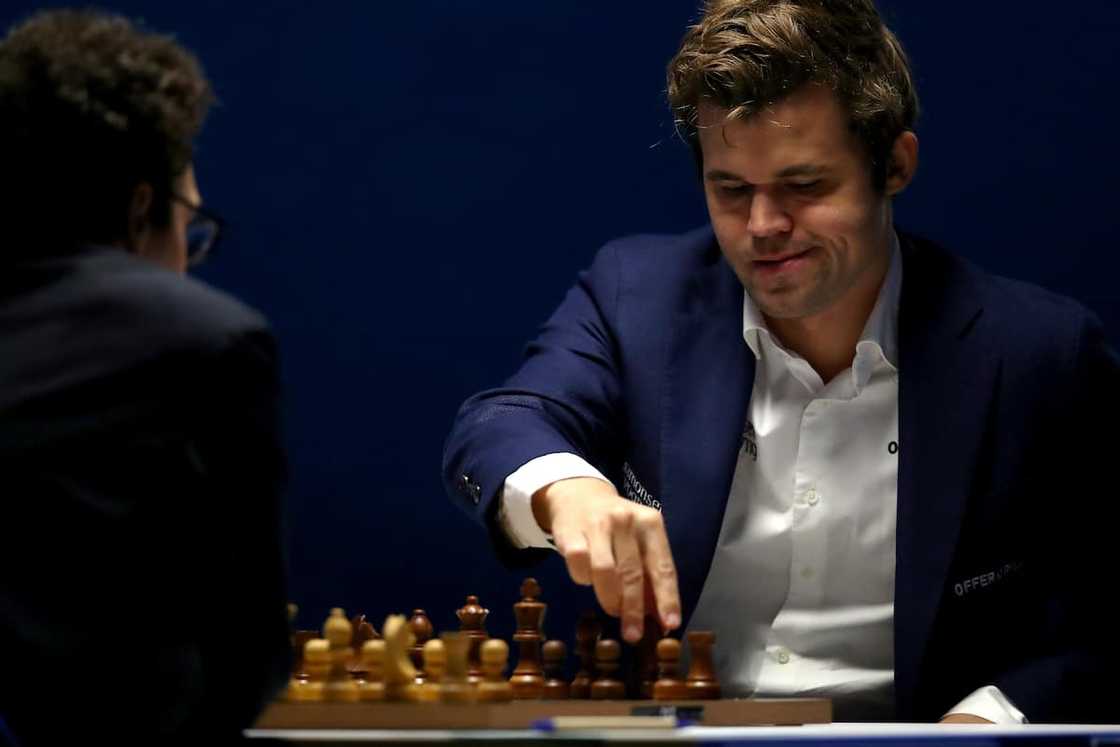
(881, 735)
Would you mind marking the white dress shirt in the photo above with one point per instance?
(800, 592)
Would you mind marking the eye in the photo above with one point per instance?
(804, 186)
(733, 190)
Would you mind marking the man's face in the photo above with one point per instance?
(167, 245)
(791, 201)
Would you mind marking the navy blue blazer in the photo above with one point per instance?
(1007, 396)
(141, 478)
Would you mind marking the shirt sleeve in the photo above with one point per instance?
(515, 510)
(988, 702)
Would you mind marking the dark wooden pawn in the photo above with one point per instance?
(669, 685)
(422, 632)
(587, 635)
(608, 686)
(555, 656)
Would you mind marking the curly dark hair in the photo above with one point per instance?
(744, 55)
(91, 106)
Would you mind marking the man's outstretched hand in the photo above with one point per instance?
(615, 545)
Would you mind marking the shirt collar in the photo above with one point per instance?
(879, 339)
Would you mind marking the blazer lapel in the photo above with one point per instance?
(947, 374)
(710, 374)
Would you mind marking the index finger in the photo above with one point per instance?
(661, 570)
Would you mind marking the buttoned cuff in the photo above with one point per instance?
(990, 703)
(515, 507)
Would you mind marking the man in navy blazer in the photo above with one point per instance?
(994, 397)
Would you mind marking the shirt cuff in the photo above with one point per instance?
(515, 507)
(990, 703)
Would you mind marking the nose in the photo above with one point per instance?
(767, 217)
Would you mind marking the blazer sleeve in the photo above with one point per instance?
(1070, 681)
(564, 398)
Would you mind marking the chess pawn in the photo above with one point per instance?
(528, 678)
(340, 686)
(455, 686)
(400, 675)
(669, 685)
(472, 621)
(587, 635)
(494, 688)
(702, 683)
(555, 653)
(435, 667)
(317, 665)
(608, 686)
(372, 655)
(421, 628)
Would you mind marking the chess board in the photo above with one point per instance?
(404, 677)
(523, 714)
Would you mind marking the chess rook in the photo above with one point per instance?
(455, 686)
(701, 682)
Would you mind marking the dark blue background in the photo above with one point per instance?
(411, 187)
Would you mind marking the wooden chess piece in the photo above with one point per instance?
(399, 672)
(317, 665)
(422, 633)
(340, 686)
(607, 686)
(494, 688)
(645, 672)
(702, 683)
(528, 678)
(372, 686)
(669, 685)
(363, 632)
(435, 667)
(555, 654)
(472, 621)
(587, 635)
(455, 687)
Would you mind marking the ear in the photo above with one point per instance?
(139, 218)
(903, 163)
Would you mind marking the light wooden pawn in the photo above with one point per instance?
(494, 687)
(434, 656)
(317, 665)
(340, 686)
(373, 662)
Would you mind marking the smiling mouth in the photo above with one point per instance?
(779, 263)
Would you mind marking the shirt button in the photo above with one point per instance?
(806, 572)
(783, 656)
(812, 497)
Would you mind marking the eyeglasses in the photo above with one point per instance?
(203, 231)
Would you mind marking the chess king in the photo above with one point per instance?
(900, 406)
